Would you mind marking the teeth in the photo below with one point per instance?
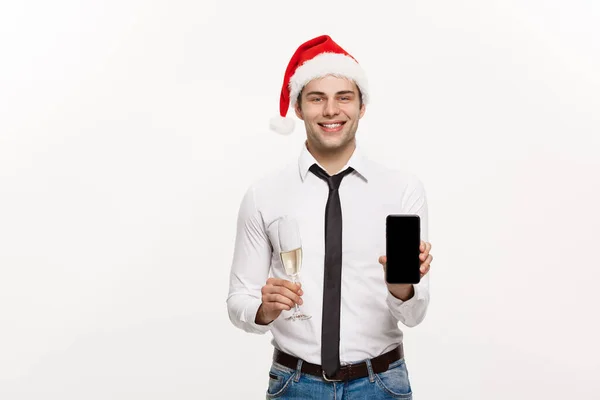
(331, 126)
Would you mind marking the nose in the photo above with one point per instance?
(331, 108)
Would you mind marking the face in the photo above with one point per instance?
(330, 110)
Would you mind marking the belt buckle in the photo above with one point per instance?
(349, 366)
(328, 379)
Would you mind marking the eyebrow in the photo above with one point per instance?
(323, 94)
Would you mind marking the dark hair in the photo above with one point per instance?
(299, 99)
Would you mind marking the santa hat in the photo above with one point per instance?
(315, 58)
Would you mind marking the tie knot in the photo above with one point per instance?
(333, 181)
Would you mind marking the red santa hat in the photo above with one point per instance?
(315, 58)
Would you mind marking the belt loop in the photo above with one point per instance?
(370, 369)
(298, 370)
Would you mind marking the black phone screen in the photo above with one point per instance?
(403, 238)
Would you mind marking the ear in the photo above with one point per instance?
(363, 108)
(298, 111)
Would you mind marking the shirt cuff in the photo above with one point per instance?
(250, 316)
(398, 304)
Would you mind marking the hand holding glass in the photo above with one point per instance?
(291, 255)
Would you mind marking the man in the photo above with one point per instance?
(352, 346)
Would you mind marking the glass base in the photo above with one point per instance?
(298, 316)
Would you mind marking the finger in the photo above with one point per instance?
(426, 265)
(284, 291)
(273, 298)
(427, 262)
(294, 287)
(279, 298)
(383, 262)
(276, 281)
(422, 246)
(425, 253)
(277, 307)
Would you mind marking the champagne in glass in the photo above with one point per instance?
(291, 255)
(292, 261)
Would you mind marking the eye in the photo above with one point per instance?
(316, 99)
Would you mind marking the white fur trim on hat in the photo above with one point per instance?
(325, 64)
(283, 125)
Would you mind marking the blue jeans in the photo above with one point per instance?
(291, 384)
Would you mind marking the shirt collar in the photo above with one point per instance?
(357, 161)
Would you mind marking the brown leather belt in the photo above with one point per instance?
(346, 372)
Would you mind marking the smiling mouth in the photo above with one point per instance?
(332, 127)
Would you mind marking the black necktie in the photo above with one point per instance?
(330, 332)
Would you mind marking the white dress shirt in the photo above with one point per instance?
(369, 313)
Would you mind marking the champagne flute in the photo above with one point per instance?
(291, 256)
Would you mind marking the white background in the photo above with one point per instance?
(129, 131)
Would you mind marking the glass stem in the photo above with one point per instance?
(296, 305)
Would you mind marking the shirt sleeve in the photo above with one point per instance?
(412, 311)
(249, 268)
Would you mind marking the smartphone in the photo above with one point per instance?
(403, 238)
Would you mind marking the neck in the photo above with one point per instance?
(335, 160)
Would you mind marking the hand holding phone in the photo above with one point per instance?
(403, 238)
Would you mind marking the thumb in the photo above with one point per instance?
(382, 260)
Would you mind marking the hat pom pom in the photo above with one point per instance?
(282, 125)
